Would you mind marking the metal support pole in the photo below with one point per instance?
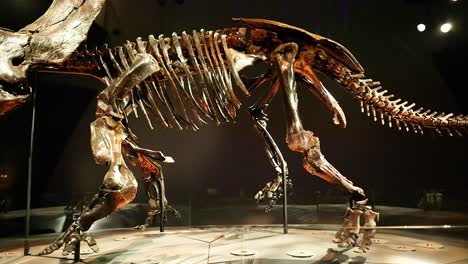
(161, 224)
(162, 195)
(285, 200)
(273, 152)
(76, 256)
(76, 253)
(30, 164)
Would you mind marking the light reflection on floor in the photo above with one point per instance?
(216, 244)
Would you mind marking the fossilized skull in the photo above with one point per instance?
(12, 54)
(48, 40)
(12, 70)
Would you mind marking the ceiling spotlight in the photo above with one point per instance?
(446, 27)
(421, 27)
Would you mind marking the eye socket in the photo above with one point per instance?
(16, 61)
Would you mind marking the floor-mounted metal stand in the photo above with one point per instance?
(30, 164)
(285, 203)
(162, 195)
(76, 253)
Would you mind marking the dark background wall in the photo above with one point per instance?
(395, 167)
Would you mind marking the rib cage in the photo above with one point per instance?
(193, 82)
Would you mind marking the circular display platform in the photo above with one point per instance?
(300, 254)
(431, 245)
(265, 244)
(243, 252)
(402, 248)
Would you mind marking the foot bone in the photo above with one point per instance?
(70, 239)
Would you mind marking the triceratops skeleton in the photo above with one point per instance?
(187, 79)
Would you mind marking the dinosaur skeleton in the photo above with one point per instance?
(187, 80)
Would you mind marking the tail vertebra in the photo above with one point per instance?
(374, 100)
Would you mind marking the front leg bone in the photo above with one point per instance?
(269, 189)
(108, 134)
(153, 181)
(158, 203)
(75, 233)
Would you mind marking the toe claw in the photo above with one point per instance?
(71, 244)
(91, 242)
(272, 192)
(177, 214)
(141, 227)
(168, 159)
(69, 240)
(95, 248)
(259, 196)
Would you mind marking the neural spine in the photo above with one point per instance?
(193, 80)
(376, 102)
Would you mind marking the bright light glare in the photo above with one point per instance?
(446, 27)
(421, 27)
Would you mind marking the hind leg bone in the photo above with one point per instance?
(304, 142)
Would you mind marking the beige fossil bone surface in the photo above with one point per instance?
(289, 50)
(48, 40)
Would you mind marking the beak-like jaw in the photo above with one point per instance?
(9, 100)
(13, 88)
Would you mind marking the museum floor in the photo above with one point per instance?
(212, 234)
(267, 244)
